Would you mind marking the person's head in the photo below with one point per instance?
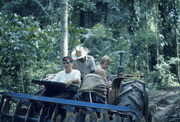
(67, 62)
(80, 53)
(105, 62)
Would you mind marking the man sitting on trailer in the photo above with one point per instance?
(68, 76)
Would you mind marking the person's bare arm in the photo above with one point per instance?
(72, 81)
(102, 73)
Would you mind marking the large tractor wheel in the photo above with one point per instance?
(134, 93)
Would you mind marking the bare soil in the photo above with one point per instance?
(164, 105)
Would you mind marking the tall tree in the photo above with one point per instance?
(64, 27)
(176, 6)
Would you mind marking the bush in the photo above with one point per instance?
(162, 76)
(26, 51)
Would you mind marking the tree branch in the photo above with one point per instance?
(41, 7)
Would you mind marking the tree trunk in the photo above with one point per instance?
(176, 6)
(154, 11)
(147, 50)
(177, 43)
(64, 28)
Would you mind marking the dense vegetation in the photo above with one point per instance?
(30, 41)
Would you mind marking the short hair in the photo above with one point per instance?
(105, 58)
(67, 59)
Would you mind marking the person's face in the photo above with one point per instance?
(82, 59)
(105, 65)
(67, 64)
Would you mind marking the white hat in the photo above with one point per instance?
(79, 52)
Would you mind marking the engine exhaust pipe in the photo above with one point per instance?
(120, 67)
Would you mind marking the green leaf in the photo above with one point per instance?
(99, 30)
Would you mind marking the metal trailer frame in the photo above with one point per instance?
(28, 99)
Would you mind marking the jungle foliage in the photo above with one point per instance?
(148, 32)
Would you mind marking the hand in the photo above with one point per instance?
(68, 83)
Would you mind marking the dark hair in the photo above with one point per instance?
(68, 59)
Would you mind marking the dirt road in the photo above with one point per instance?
(164, 105)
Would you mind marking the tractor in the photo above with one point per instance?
(127, 102)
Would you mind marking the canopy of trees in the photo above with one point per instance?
(30, 38)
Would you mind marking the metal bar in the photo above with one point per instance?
(1, 104)
(121, 58)
(120, 67)
(53, 118)
(17, 110)
(6, 106)
(90, 97)
(76, 103)
(41, 114)
(19, 117)
(29, 111)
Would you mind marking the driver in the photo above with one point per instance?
(82, 61)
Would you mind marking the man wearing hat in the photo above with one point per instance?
(69, 75)
(82, 61)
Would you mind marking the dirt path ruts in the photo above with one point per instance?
(164, 105)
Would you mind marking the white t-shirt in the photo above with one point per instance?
(87, 66)
(63, 77)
